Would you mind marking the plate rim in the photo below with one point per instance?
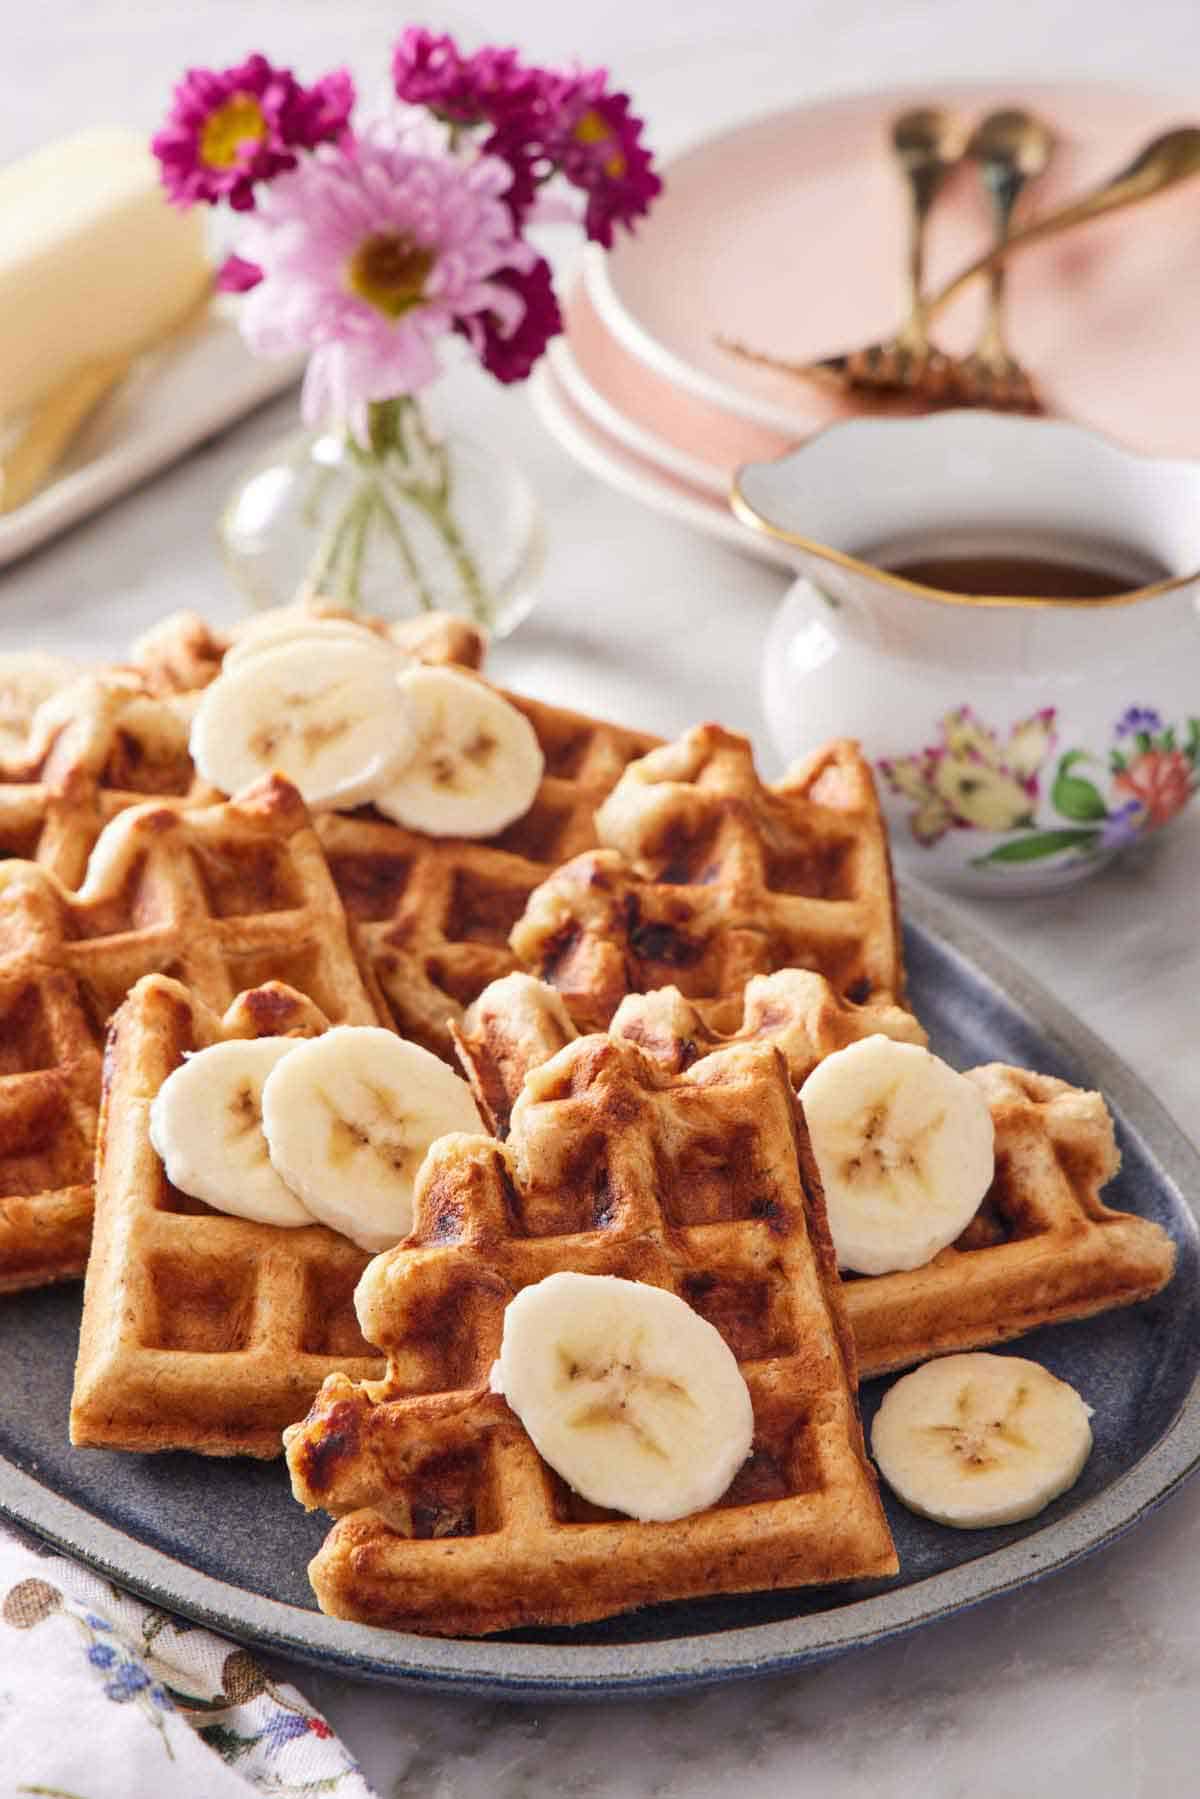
(641, 481)
(637, 1670)
(646, 347)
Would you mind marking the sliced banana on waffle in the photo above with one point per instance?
(206, 1124)
(296, 624)
(979, 1440)
(348, 1118)
(477, 765)
(631, 1396)
(325, 714)
(905, 1148)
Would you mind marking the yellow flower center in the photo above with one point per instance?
(227, 129)
(592, 129)
(389, 271)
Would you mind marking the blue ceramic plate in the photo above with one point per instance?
(225, 1543)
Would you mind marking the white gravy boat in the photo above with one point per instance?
(1018, 742)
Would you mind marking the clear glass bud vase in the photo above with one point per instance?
(409, 522)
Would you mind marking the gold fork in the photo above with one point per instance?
(1010, 148)
(1165, 161)
(928, 143)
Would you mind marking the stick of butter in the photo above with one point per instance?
(94, 261)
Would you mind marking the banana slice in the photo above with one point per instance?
(327, 715)
(478, 763)
(634, 1398)
(905, 1148)
(349, 1117)
(296, 624)
(978, 1440)
(206, 1124)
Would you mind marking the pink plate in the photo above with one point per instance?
(788, 233)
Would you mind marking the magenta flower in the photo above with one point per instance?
(510, 356)
(230, 129)
(372, 252)
(596, 143)
(428, 69)
(542, 123)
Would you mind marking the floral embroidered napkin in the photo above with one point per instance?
(102, 1697)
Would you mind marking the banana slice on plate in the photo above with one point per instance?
(348, 1119)
(978, 1440)
(478, 763)
(326, 715)
(905, 1148)
(634, 1398)
(294, 624)
(206, 1124)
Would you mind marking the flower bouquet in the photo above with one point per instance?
(371, 246)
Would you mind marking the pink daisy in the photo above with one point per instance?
(231, 128)
(372, 252)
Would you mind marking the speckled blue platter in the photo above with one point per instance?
(225, 1543)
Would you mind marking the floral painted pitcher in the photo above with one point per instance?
(1019, 741)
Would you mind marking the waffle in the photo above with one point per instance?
(1042, 1249)
(518, 1023)
(112, 737)
(435, 913)
(708, 877)
(105, 741)
(223, 896)
(202, 1331)
(449, 1522)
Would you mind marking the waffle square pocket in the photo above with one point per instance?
(449, 1522)
(200, 1331)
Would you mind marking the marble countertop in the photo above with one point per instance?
(1087, 1683)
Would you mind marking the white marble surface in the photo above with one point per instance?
(1088, 1683)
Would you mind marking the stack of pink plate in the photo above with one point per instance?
(788, 234)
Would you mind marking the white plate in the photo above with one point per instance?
(639, 478)
(171, 401)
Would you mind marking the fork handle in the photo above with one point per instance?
(1170, 159)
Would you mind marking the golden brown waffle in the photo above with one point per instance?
(1043, 1248)
(102, 743)
(709, 877)
(435, 913)
(202, 1331)
(223, 896)
(518, 1023)
(115, 736)
(703, 1183)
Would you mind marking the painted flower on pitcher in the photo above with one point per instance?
(1152, 775)
(1160, 781)
(971, 779)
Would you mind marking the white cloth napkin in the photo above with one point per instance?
(102, 1697)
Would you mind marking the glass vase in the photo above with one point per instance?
(410, 522)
